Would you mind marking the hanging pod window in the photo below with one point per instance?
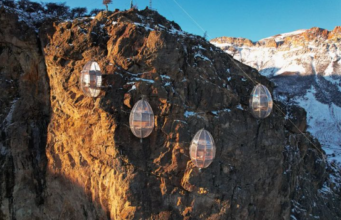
(91, 79)
(260, 101)
(141, 119)
(202, 149)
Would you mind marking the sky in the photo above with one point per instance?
(252, 19)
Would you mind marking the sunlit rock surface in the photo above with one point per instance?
(68, 156)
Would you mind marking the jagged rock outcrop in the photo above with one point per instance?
(96, 168)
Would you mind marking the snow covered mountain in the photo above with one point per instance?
(305, 65)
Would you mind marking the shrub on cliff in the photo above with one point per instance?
(57, 9)
(78, 12)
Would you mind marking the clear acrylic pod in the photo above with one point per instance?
(202, 149)
(260, 102)
(91, 79)
(141, 120)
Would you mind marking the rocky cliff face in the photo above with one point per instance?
(25, 111)
(305, 66)
(67, 156)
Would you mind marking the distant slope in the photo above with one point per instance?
(305, 65)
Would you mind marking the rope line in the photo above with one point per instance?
(249, 77)
(319, 150)
(195, 22)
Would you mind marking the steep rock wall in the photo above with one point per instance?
(25, 110)
(96, 168)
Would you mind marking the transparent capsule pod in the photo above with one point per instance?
(260, 101)
(91, 79)
(202, 149)
(141, 119)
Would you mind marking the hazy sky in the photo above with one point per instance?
(253, 19)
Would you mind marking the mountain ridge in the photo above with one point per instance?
(306, 34)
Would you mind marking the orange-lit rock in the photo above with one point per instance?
(233, 40)
(267, 43)
(335, 34)
(67, 156)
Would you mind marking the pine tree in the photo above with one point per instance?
(106, 2)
